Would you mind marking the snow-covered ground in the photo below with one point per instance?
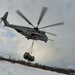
(7, 68)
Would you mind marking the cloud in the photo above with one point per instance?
(71, 67)
(7, 44)
(58, 53)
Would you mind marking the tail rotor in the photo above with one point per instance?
(0, 21)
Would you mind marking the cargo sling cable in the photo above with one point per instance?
(28, 55)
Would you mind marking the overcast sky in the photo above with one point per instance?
(60, 52)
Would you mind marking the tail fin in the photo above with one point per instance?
(4, 19)
(5, 16)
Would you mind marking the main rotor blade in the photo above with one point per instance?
(50, 39)
(19, 13)
(51, 33)
(0, 20)
(42, 14)
(57, 24)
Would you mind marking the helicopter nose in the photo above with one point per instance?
(45, 38)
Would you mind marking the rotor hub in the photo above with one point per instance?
(36, 28)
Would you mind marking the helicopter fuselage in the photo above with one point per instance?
(30, 33)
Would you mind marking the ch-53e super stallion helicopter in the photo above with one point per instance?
(31, 33)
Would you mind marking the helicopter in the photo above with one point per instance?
(31, 33)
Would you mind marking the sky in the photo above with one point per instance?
(60, 52)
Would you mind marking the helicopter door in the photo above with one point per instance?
(33, 36)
